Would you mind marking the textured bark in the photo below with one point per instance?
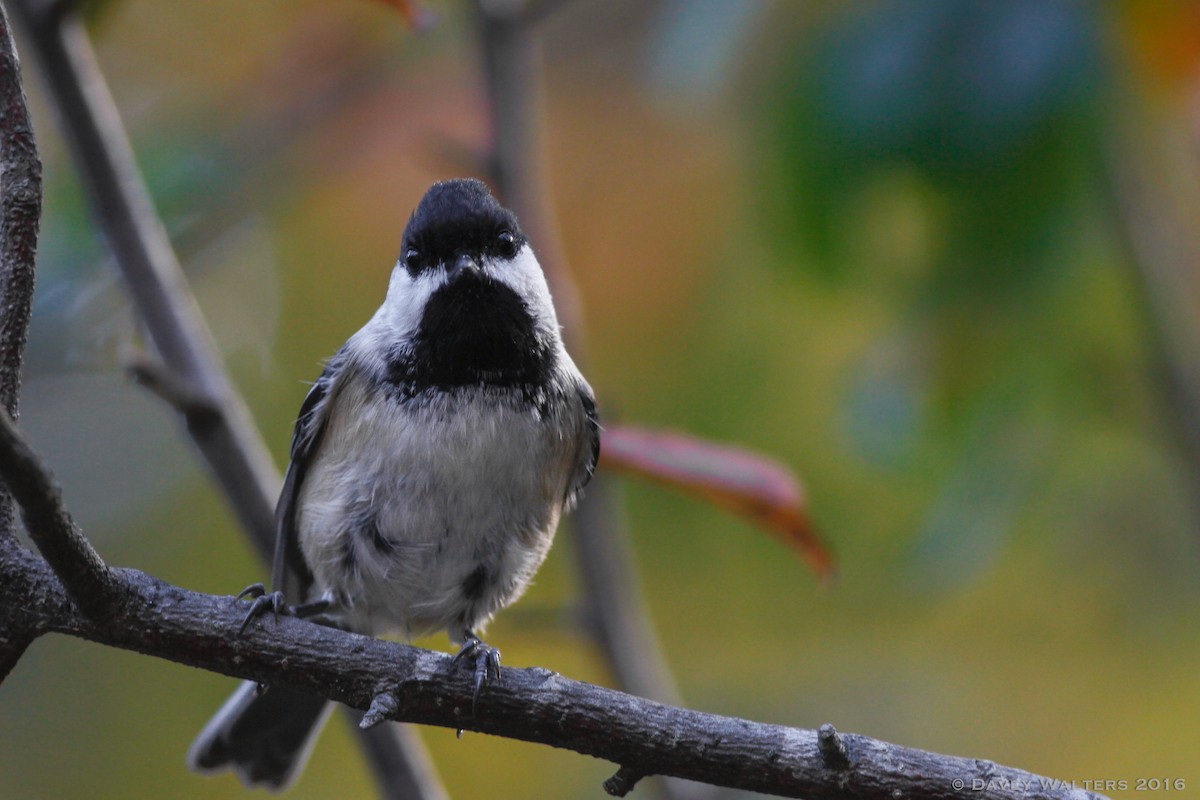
(534, 705)
(20, 217)
(13, 643)
(85, 576)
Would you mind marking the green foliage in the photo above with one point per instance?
(988, 109)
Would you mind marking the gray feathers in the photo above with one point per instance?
(430, 464)
(264, 738)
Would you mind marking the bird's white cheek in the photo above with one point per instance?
(524, 275)
(407, 297)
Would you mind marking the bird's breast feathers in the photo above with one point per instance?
(435, 511)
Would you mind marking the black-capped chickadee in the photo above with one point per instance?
(429, 466)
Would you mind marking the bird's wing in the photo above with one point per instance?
(589, 452)
(289, 562)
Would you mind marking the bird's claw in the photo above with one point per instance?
(487, 664)
(274, 602)
(253, 590)
(263, 602)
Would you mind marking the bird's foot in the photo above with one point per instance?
(487, 664)
(265, 601)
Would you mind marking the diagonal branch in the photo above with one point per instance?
(86, 577)
(237, 457)
(20, 217)
(217, 418)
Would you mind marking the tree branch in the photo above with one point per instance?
(534, 705)
(86, 577)
(237, 457)
(20, 217)
(13, 643)
(217, 418)
(614, 609)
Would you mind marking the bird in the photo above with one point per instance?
(429, 467)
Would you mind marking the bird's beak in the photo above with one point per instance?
(462, 264)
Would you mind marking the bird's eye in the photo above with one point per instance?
(507, 245)
(412, 259)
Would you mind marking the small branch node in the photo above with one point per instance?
(89, 581)
(833, 749)
(623, 781)
(987, 769)
(12, 647)
(179, 392)
(383, 706)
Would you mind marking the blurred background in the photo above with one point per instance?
(939, 257)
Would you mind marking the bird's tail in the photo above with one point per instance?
(264, 738)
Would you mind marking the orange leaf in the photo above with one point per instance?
(752, 485)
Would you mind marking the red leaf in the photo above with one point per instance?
(418, 16)
(752, 485)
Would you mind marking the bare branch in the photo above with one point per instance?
(237, 457)
(534, 705)
(85, 575)
(191, 374)
(21, 200)
(613, 604)
(20, 218)
(614, 607)
(184, 398)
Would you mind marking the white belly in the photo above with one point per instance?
(433, 515)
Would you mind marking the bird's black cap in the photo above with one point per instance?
(456, 217)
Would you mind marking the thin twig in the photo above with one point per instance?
(237, 457)
(832, 748)
(20, 218)
(623, 781)
(83, 573)
(192, 404)
(613, 602)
